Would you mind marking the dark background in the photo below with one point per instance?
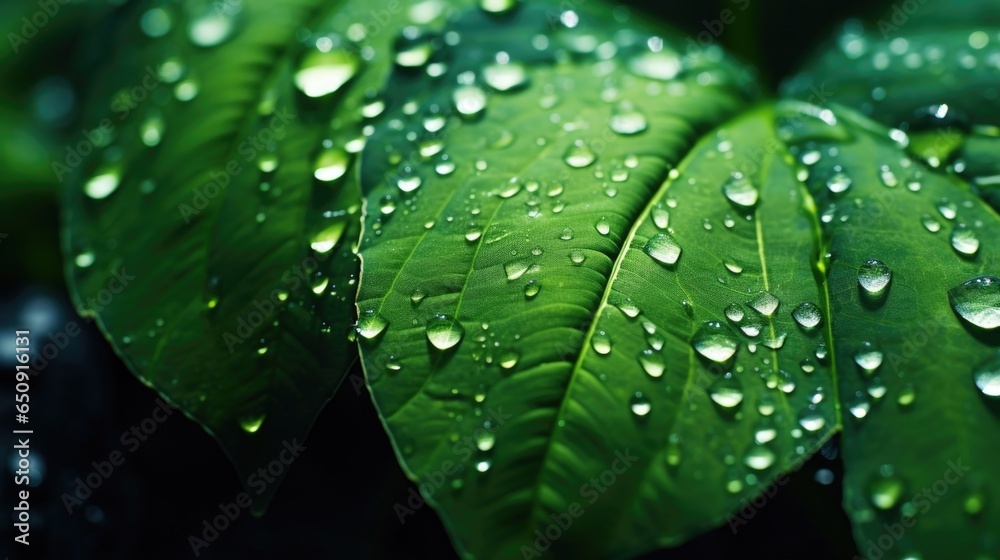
(337, 501)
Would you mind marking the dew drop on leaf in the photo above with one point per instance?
(601, 343)
(964, 240)
(251, 424)
(371, 324)
(977, 301)
(868, 357)
(765, 303)
(715, 341)
(807, 315)
(322, 73)
(578, 155)
(759, 458)
(740, 191)
(663, 247)
(652, 363)
(444, 331)
(639, 404)
(986, 376)
(874, 276)
(627, 120)
(726, 391)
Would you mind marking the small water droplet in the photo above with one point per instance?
(602, 226)
(886, 491)
(627, 120)
(515, 269)
(103, 183)
(759, 458)
(505, 77)
(652, 363)
(765, 303)
(811, 419)
(838, 182)
(532, 288)
(470, 100)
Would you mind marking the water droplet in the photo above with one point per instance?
(567, 234)
(577, 257)
(413, 51)
(578, 155)
(602, 226)
(740, 191)
(104, 182)
(868, 358)
(765, 432)
(930, 223)
(885, 491)
(874, 276)
(601, 343)
(948, 210)
(765, 303)
(715, 341)
(327, 238)
(838, 182)
(508, 359)
(640, 405)
(444, 331)
(84, 259)
(661, 217)
(627, 120)
(663, 247)
(807, 315)
(661, 65)
(532, 288)
(505, 77)
(977, 301)
(726, 391)
(515, 269)
(322, 73)
(811, 419)
(211, 27)
(251, 424)
(652, 363)
(906, 395)
(417, 296)
(987, 377)
(759, 458)
(483, 465)
(469, 100)
(734, 312)
(371, 324)
(860, 406)
(964, 240)
(497, 6)
(733, 267)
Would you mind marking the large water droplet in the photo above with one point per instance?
(740, 191)
(252, 423)
(444, 331)
(868, 357)
(964, 240)
(663, 247)
(807, 315)
(759, 458)
(322, 73)
(765, 303)
(652, 363)
(505, 77)
(469, 100)
(977, 301)
(874, 276)
(371, 324)
(626, 119)
(639, 404)
(715, 341)
(987, 377)
(579, 155)
(104, 182)
(211, 27)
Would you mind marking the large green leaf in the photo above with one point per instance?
(919, 446)
(522, 329)
(228, 196)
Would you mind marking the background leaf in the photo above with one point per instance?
(918, 459)
(227, 190)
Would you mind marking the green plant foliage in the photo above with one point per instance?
(602, 295)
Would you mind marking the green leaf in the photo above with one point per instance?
(531, 333)
(929, 70)
(228, 201)
(918, 443)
